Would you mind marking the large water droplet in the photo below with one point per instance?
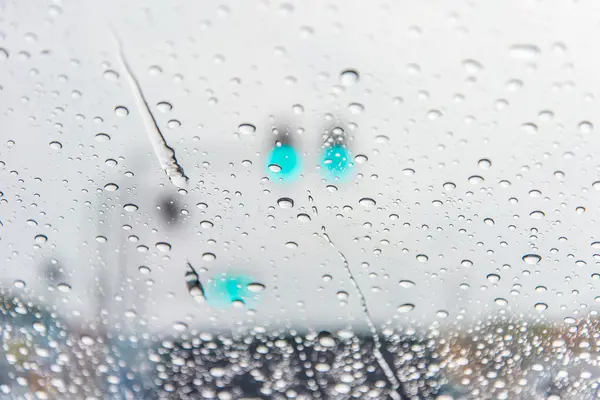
(484, 163)
(367, 202)
(532, 259)
(422, 258)
(246, 129)
(303, 217)
(285, 202)
(404, 308)
(349, 77)
(406, 284)
(164, 107)
(130, 207)
(256, 287)
(121, 111)
(163, 246)
(208, 257)
(537, 214)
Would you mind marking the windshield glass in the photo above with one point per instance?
(299, 200)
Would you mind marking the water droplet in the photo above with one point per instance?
(466, 263)
(537, 214)
(55, 145)
(110, 75)
(246, 129)
(285, 202)
(155, 70)
(101, 239)
(130, 207)
(524, 51)
(342, 295)
(87, 340)
(493, 278)
(422, 258)
(209, 257)
(367, 202)
(408, 171)
(529, 128)
(206, 224)
(19, 284)
(173, 124)
(180, 326)
(449, 186)
(144, 270)
(255, 287)
(484, 163)
(111, 187)
(501, 301)
(442, 314)
(164, 107)
(284, 162)
(163, 246)
(298, 109)
(404, 308)
(559, 175)
(275, 168)
(326, 340)
(291, 245)
(406, 284)
(360, 159)
(472, 67)
(102, 137)
(541, 306)
(303, 217)
(356, 108)
(63, 287)
(580, 210)
(586, 127)
(121, 111)
(382, 139)
(39, 327)
(489, 221)
(531, 259)
(349, 77)
(40, 238)
(342, 388)
(432, 115)
(475, 179)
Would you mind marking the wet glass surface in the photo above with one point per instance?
(299, 200)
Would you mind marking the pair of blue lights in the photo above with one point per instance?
(284, 162)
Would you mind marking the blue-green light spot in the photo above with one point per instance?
(336, 162)
(284, 163)
(224, 289)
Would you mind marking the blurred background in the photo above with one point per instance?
(299, 200)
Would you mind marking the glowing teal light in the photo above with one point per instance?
(336, 162)
(284, 163)
(224, 289)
